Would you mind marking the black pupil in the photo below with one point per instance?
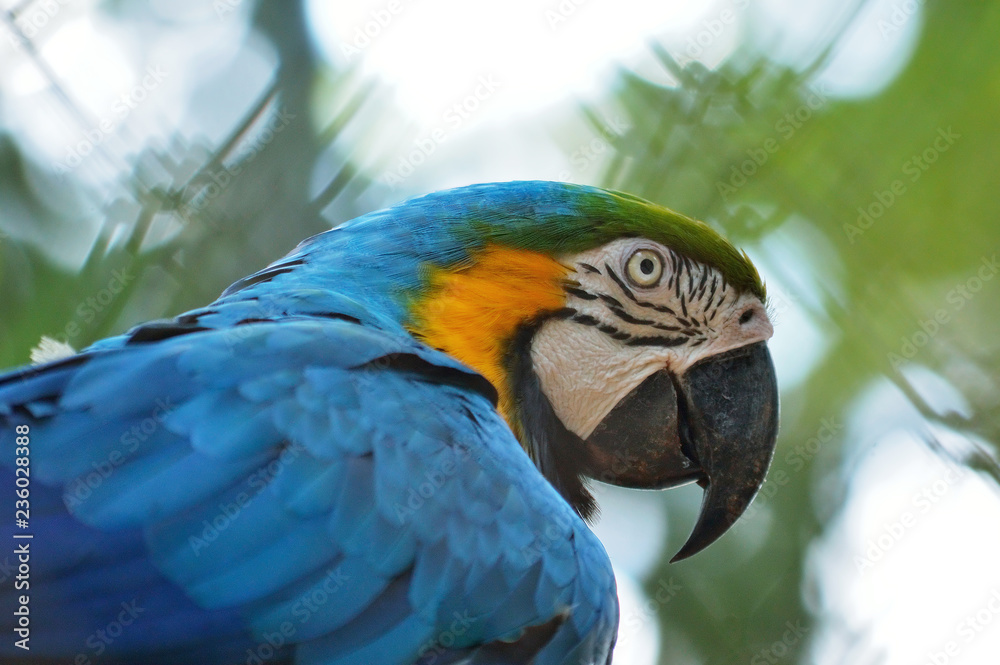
(746, 316)
(646, 266)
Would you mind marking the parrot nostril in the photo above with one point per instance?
(746, 316)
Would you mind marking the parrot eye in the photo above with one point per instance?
(644, 268)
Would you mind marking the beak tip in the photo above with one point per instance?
(682, 554)
(705, 532)
(735, 439)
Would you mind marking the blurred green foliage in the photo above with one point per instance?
(192, 218)
(897, 194)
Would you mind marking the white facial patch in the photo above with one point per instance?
(622, 324)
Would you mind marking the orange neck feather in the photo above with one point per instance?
(473, 312)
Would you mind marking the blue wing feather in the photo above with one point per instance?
(255, 485)
(303, 467)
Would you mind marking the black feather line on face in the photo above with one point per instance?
(608, 300)
(560, 455)
(631, 296)
(621, 285)
(701, 285)
(580, 293)
(657, 341)
(585, 319)
(628, 318)
(564, 313)
(615, 307)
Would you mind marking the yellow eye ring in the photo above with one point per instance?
(644, 268)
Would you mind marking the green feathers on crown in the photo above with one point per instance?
(557, 218)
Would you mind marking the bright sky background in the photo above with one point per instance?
(541, 52)
(434, 52)
(908, 571)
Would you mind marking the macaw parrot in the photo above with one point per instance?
(377, 450)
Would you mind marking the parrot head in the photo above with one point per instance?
(626, 342)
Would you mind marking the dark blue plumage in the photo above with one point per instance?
(287, 474)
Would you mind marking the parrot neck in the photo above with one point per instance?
(473, 311)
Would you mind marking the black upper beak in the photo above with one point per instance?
(732, 414)
(715, 424)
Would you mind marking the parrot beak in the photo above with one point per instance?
(715, 424)
(732, 415)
